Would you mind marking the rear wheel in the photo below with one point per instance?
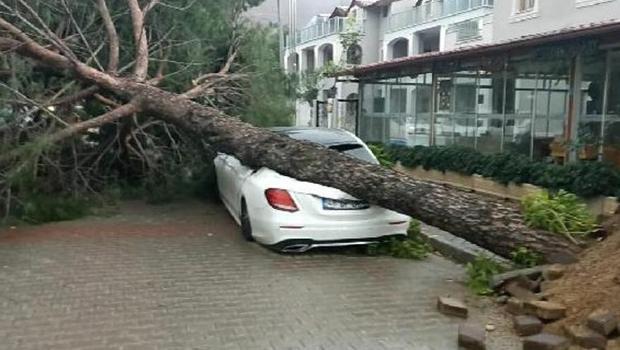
(246, 226)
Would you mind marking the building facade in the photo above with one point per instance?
(388, 30)
(534, 77)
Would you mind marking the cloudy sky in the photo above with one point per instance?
(267, 11)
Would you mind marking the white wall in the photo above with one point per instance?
(551, 15)
(447, 42)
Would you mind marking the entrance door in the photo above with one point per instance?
(350, 118)
(320, 120)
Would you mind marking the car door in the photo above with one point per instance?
(239, 174)
(224, 176)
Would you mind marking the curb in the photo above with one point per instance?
(456, 248)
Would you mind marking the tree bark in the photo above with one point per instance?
(493, 224)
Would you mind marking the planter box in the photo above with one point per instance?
(598, 206)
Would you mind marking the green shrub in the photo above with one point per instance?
(38, 209)
(413, 247)
(382, 156)
(479, 274)
(585, 179)
(525, 258)
(561, 213)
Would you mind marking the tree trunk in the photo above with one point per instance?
(494, 224)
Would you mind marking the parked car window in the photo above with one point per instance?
(355, 150)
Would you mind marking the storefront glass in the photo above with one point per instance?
(490, 111)
(518, 104)
(611, 141)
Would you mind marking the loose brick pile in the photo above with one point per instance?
(533, 308)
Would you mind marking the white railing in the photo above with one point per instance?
(433, 10)
(319, 30)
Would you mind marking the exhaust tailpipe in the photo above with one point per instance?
(297, 248)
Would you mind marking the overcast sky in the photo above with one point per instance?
(267, 11)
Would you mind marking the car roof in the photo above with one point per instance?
(322, 136)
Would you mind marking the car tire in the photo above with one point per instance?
(246, 225)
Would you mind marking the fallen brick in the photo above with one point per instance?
(472, 337)
(452, 307)
(545, 341)
(514, 306)
(527, 325)
(602, 321)
(545, 310)
(613, 344)
(586, 337)
(515, 289)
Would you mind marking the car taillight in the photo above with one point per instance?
(280, 199)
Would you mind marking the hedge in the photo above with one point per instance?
(585, 179)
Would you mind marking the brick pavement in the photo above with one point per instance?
(180, 277)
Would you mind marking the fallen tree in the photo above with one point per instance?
(490, 223)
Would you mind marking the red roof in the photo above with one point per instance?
(564, 34)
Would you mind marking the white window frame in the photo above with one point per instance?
(518, 10)
(519, 15)
(461, 37)
(587, 3)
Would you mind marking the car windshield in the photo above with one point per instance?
(355, 150)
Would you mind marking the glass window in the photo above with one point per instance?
(525, 5)
(444, 112)
(591, 115)
(398, 110)
(467, 30)
(356, 151)
(465, 102)
(490, 111)
(418, 123)
(611, 141)
(354, 54)
(536, 107)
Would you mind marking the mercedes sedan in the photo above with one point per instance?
(295, 216)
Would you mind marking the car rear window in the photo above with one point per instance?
(355, 150)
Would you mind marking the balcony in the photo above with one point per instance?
(433, 10)
(319, 30)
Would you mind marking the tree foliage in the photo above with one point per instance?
(188, 41)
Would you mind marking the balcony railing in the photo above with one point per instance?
(319, 30)
(433, 10)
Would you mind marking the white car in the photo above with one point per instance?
(294, 216)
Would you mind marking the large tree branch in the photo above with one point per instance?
(151, 5)
(77, 128)
(204, 83)
(139, 35)
(113, 41)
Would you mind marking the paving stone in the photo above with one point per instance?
(472, 337)
(527, 325)
(545, 341)
(452, 307)
(180, 276)
(545, 310)
(554, 272)
(514, 306)
(586, 337)
(602, 321)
